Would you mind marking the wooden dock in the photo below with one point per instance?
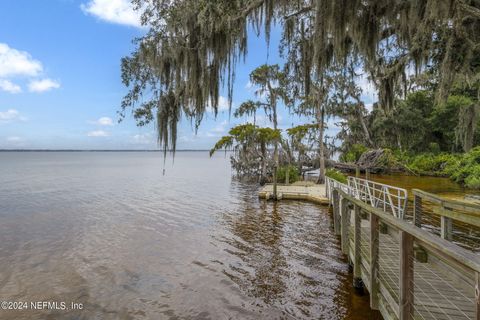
(308, 191)
(409, 272)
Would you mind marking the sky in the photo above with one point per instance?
(60, 79)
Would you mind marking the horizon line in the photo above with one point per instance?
(103, 150)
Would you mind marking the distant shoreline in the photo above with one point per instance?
(94, 150)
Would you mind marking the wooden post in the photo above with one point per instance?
(417, 211)
(367, 174)
(357, 267)
(338, 218)
(477, 295)
(345, 225)
(374, 246)
(357, 172)
(446, 227)
(406, 276)
(336, 212)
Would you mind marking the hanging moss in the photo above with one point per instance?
(193, 47)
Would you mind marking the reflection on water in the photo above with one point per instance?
(108, 230)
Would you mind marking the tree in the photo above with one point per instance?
(266, 137)
(272, 83)
(302, 138)
(250, 145)
(248, 108)
(315, 104)
(193, 46)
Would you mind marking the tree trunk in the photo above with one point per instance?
(273, 101)
(263, 177)
(365, 128)
(275, 150)
(321, 149)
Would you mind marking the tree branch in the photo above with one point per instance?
(299, 12)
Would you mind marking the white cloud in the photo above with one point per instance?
(223, 105)
(17, 63)
(10, 115)
(146, 138)
(114, 11)
(220, 128)
(103, 121)
(43, 85)
(98, 133)
(14, 139)
(8, 86)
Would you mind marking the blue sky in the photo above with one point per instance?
(60, 85)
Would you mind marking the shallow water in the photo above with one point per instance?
(110, 232)
(438, 185)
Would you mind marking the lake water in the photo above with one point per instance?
(114, 235)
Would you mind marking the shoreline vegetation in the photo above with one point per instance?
(421, 60)
(463, 168)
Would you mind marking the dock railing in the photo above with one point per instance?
(453, 220)
(404, 283)
(389, 198)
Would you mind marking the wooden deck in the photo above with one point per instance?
(439, 293)
(409, 273)
(298, 191)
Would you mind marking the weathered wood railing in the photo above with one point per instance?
(451, 212)
(403, 285)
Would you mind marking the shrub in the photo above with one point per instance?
(467, 169)
(462, 168)
(429, 163)
(336, 175)
(294, 175)
(434, 147)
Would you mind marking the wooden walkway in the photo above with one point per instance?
(437, 294)
(409, 272)
(297, 191)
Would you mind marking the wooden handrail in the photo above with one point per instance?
(448, 210)
(428, 240)
(471, 208)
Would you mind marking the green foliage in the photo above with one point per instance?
(407, 126)
(445, 122)
(248, 108)
(462, 168)
(432, 164)
(434, 148)
(388, 159)
(467, 169)
(473, 180)
(293, 174)
(336, 175)
(225, 142)
(353, 153)
(302, 130)
(192, 48)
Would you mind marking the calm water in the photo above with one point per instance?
(111, 232)
(441, 186)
